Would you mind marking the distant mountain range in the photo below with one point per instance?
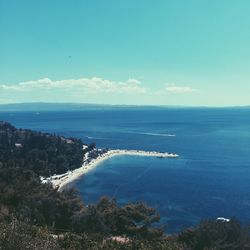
(53, 106)
(66, 106)
(39, 106)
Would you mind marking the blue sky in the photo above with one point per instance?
(183, 52)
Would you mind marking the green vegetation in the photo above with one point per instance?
(36, 216)
(43, 153)
(212, 234)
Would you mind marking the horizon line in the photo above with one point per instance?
(124, 105)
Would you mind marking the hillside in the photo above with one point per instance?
(43, 153)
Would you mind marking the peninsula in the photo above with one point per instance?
(61, 181)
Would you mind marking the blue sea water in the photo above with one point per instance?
(210, 179)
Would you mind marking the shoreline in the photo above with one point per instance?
(61, 181)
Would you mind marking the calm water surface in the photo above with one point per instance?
(211, 178)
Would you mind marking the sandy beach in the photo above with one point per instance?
(61, 181)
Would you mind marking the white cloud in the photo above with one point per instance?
(8, 87)
(94, 84)
(133, 81)
(179, 89)
(92, 90)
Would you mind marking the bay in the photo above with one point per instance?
(210, 179)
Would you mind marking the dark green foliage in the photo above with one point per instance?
(212, 234)
(106, 217)
(40, 204)
(96, 242)
(43, 153)
(18, 235)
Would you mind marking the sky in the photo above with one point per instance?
(143, 52)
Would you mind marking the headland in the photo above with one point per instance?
(63, 180)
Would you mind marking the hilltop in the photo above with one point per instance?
(43, 153)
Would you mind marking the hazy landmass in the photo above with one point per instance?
(43, 106)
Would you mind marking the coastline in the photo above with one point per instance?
(61, 181)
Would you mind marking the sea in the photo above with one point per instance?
(210, 179)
